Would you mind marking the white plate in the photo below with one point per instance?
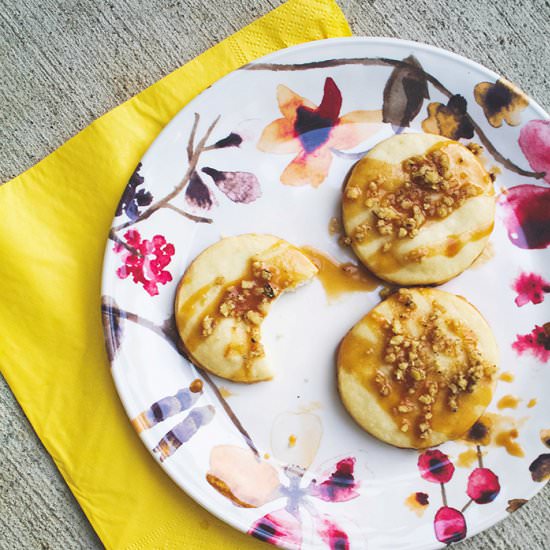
(239, 434)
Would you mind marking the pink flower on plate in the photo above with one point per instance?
(333, 536)
(534, 140)
(311, 133)
(526, 215)
(530, 288)
(536, 342)
(280, 528)
(435, 466)
(251, 482)
(340, 485)
(145, 260)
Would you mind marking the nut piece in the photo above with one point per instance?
(207, 326)
(254, 317)
(353, 193)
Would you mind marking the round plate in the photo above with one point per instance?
(282, 460)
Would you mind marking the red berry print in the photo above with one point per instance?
(530, 288)
(145, 260)
(483, 486)
(435, 466)
(449, 525)
(536, 342)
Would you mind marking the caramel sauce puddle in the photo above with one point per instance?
(340, 278)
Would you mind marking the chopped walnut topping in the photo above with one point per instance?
(334, 226)
(254, 317)
(404, 297)
(344, 241)
(402, 232)
(360, 232)
(475, 148)
(426, 399)
(396, 340)
(352, 192)
(430, 190)
(417, 362)
(207, 326)
(385, 292)
(225, 308)
(247, 284)
(404, 426)
(418, 374)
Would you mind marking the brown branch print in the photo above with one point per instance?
(413, 68)
(193, 154)
(113, 317)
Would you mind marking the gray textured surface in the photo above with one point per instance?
(65, 63)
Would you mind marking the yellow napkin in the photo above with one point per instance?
(54, 221)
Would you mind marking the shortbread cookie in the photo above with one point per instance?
(419, 208)
(224, 296)
(419, 369)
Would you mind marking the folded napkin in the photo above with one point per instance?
(54, 221)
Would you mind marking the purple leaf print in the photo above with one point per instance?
(197, 194)
(238, 186)
(279, 528)
(165, 408)
(232, 140)
(113, 325)
(183, 431)
(339, 486)
(540, 468)
(132, 199)
(404, 93)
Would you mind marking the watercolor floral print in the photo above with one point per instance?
(283, 526)
(289, 505)
(312, 132)
(144, 260)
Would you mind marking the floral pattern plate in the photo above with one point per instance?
(266, 150)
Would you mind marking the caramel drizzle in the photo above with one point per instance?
(340, 278)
